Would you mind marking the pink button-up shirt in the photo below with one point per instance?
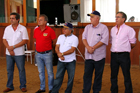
(122, 41)
(93, 35)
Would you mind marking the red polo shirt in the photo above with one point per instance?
(44, 38)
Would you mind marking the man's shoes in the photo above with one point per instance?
(39, 91)
(23, 89)
(35, 64)
(50, 91)
(7, 90)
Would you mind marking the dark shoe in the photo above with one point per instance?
(39, 91)
(23, 89)
(50, 91)
(7, 90)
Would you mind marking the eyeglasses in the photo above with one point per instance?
(118, 17)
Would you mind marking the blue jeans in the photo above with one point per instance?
(42, 61)
(20, 62)
(90, 65)
(61, 68)
(122, 60)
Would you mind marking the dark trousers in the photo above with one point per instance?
(61, 68)
(90, 65)
(120, 59)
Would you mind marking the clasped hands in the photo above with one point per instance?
(11, 50)
(60, 56)
(90, 49)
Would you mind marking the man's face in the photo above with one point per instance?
(119, 19)
(66, 31)
(41, 21)
(13, 19)
(94, 19)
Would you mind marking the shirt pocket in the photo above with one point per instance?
(18, 36)
(69, 44)
(98, 37)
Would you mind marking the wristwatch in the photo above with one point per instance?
(14, 47)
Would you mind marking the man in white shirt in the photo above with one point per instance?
(65, 49)
(14, 38)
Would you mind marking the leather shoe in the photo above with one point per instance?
(7, 90)
(23, 89)
(50, 91)
(39, 91)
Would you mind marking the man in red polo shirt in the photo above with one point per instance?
(44, 37)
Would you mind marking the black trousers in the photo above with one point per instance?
(123, 60)
(90, 66)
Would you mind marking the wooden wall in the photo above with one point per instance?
(78, 32)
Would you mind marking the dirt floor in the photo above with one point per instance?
(33, 82)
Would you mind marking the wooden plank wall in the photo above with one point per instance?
(78, 32)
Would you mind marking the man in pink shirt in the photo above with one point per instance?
(95, 38)
(123, 40)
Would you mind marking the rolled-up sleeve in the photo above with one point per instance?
(105, 35)
(132, 36)
(84, 35)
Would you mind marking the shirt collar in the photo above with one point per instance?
(96, 26)
(69, 35)
(121, 25)
(17, 26)
(44, 29)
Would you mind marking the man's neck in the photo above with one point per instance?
(42, 27)
(118, 26)
(94, 25)
(15, 26)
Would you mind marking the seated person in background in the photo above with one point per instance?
(131, 19)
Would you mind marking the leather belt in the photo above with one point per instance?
(44, 52)
(120, 52)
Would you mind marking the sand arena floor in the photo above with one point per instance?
(33, 82)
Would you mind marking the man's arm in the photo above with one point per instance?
(58, 52)
(132, 46)
(89, 48)
(99, 44)
(18, 45)
(69, 51)
(6, 45)
(53, 42)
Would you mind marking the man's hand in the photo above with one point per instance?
(10, 48)
(12, 53)
(59, 55)
(62, 58)
(90, 49)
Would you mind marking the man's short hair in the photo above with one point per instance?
(45, 17)
(16, 14)
(123, 15)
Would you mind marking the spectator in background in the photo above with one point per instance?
(131, 19)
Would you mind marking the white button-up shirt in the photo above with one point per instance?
(14, 37)
(121, 40)
(65, 44)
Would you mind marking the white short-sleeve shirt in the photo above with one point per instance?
(14, 37)
(66, 42)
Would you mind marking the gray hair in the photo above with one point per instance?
(45, 17)
(71, 30)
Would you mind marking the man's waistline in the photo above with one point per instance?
(44, 52)
(119, 52)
